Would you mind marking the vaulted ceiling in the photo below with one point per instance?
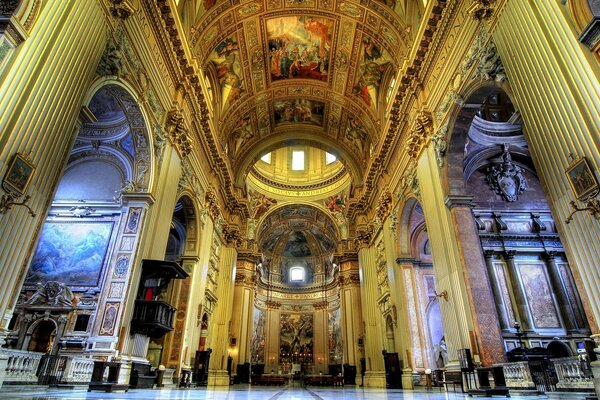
(285, 72)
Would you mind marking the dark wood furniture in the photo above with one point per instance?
(200, 371)
(349, 374)
(453, 378)
(485, 388)
(152, 316)
(142, 376)
(110, 383)
(393, 370)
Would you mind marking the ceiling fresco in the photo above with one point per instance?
(300, 70)
(297, 231)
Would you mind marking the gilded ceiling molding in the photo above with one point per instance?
(421, 129)
(178, 133)
(273, 305)
(482, 9)
(212, 204)
(407, 87)
(321, 305)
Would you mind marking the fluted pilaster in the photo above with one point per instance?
(41, 91)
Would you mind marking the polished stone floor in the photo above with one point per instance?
(244, 392)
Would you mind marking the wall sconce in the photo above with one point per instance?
(15, 183)
(443, 295)
(585, 187)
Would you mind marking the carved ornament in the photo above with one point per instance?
(178, 133)
(482, 9)
(52, 293)
(273, 305)
(490, 67)
(212, 204)
(410, 181)
(363, 237)
(322, 305)
(121, 9)
(420, 130)
(506, 178)
(385, 205)
(231, 235)
(440, 145)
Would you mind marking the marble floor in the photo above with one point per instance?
(245, 392)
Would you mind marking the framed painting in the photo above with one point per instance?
(71, 252)
(582, 179)
(18, 176)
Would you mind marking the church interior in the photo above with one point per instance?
(396, 195)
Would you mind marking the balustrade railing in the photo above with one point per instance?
(573, 374)
(22, 366)
(78, 370)
(518, 375)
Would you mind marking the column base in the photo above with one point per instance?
(375, 379)
(217, 377)
(407, 379)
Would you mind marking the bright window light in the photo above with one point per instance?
(296, 274)
(266, 158)
(297, 160)
(329, 158)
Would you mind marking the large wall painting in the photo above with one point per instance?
(299, 47)
(539, 296)
(296, 336)
(70, 252)
(299, 111)
(226, 60)
(257, 346)
(335, 337)
(372, 66)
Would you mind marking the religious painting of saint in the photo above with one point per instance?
(372, 67)
(299, 47)
(18, 176)
(582, 179)
(226, 60)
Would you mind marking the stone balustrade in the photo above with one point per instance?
(22, 365)
(572, 374)
(518, 375)
(78, 370)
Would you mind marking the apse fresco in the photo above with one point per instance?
(299, 47)
(296, 335)
(70, 252)
(335, 337)
(226, 60)
(373, 65)
(257, 346)
(299, 111)
(297, 246)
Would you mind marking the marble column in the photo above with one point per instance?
(375, 368)
(351, 318)
(400, 313)
(243, 309)
(519, 294)
(558, 288)
(217, 371)
(505, 324)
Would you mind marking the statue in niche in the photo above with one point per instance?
(506, 178)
